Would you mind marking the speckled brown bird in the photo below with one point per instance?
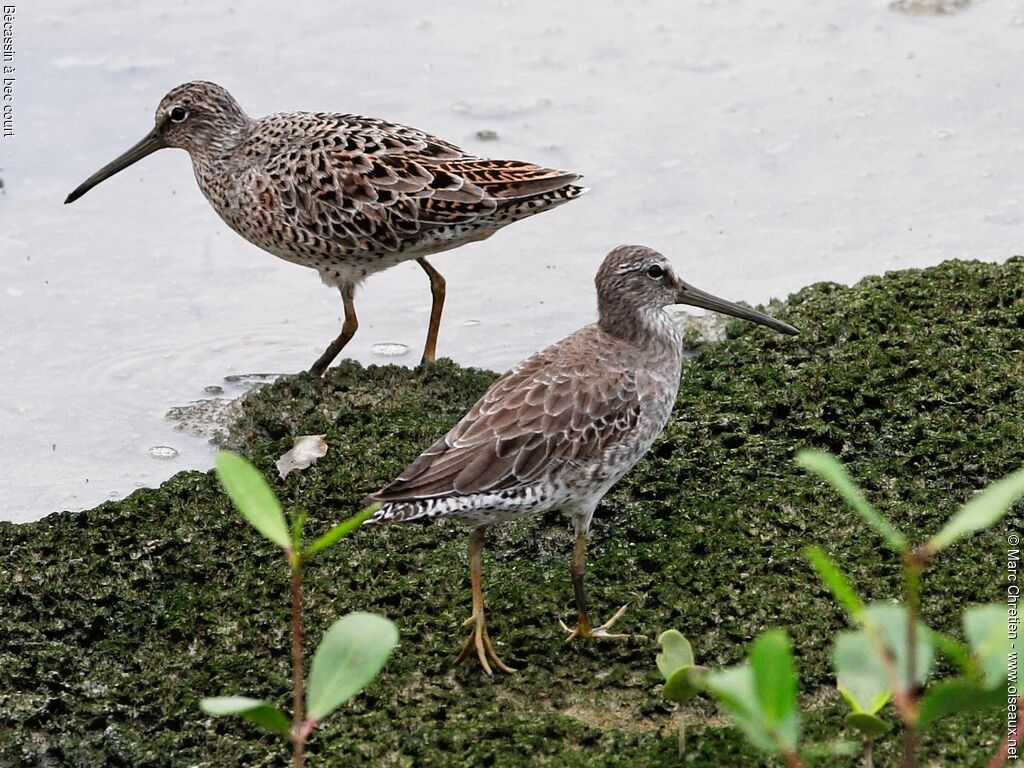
(346, 195)
(561, 428)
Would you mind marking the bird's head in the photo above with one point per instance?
(635, 280)
(199, 117)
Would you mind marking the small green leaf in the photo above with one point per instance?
(676, 653)
(340, 531)
(851, 702)
(775, 683)
(959, 694)
(298, 525)
(263, 714)
(984, 509)
(863, 676)
(868, 725)
(349, 657)
(889, 620)
(760, 695)
(988, 633)
(828, 467)
(952, 649)
(860, 675)
(253, 497)
(733, 688)
(676, 665)
(681, 685)
(835, 581)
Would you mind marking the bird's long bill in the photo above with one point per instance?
(150, 144)
(698, 298)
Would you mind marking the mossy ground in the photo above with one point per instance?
(114, 622)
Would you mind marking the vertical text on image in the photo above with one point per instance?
(7, 52)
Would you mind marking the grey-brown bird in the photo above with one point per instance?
(561, 428)
(346, 195)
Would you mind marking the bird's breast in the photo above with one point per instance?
(254, 209)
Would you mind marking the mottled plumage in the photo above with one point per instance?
(558, 430)
(551, 433)
(346, 195)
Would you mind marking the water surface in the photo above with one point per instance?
(762, 146)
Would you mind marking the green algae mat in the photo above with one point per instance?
(115, 622)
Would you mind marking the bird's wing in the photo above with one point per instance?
(548, 412)
(370, 185)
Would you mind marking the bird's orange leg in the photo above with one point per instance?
(583, 627)
(437, 291)
(478, 640)
(348, 330)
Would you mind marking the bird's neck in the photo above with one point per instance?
(642, 326)
(219, 146)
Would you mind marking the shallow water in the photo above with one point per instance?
(761, 146)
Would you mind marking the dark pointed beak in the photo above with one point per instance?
(687, 294)
(147, 146)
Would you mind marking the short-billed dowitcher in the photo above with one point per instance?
(346, 195)
(561, 428)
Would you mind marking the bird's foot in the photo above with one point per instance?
(479, 641)
(584, 630)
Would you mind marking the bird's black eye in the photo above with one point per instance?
(178, 114)
(655, 272)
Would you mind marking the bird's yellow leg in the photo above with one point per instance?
(478, 640)
(348, 330)
(437, 292)
(583, 627)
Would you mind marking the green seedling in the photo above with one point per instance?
(887, 658)
(760, 696)
(890, 655)
(682, 677)
(351, 653)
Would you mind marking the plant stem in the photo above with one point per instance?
(298, 732)
(681, 722)
(913, 567)
(869, 753)
(792, 759)
(909, 746)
